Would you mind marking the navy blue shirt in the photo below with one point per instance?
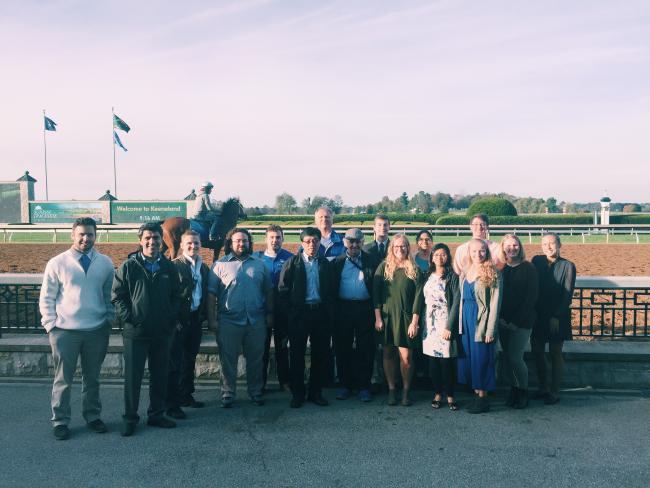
(274, 265)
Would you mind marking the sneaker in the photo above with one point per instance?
(128, 428)
(227, 402)
(342, 394)
(97, 426)
(365, 396)
(61, 432)
(162, 422)
(176, 413)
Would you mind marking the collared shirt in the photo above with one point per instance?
(195, 268)
(241, 288)
(151, 266)
(353, 286)
(313, 282)
(274, 263)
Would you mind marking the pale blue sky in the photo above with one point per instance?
(360, 98)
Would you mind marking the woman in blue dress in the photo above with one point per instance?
(480, 286)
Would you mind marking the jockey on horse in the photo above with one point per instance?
(206, 212)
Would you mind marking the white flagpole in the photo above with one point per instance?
(114, 164)
(45, 157)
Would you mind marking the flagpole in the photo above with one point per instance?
(114, 165)
(45, 157)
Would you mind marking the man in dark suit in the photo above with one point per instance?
(193, 276)
(305, 288)
(379, 246)
(352, 277)
(378, 249)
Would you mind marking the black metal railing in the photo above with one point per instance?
(608, 307)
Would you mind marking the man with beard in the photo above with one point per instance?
(240, 285)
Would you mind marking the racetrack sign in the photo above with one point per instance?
(64, 212)
(141, 212)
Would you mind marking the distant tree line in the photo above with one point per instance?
(423, 202)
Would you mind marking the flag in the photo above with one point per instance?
(49, 124)
(120, 124)
(116, 140)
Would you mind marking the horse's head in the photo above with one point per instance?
(233, 209)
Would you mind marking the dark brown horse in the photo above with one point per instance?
(174, 227)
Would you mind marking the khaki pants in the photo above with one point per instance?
(67, 347)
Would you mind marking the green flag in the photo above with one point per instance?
(120, 124)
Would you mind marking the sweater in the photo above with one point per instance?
(73, 300)
(520, 288)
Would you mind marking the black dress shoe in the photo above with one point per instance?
(61, 432)
(296, 402)
(162, 422)
(128, 428)
(192, 403)
(318, 399)
(176, 413)
(258, 401)
(97, 426)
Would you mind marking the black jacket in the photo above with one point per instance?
(146, 304)
(368, 264)
(373, 250)
(187, 286)
(292, 286)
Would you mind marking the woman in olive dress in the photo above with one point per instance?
(397, 293)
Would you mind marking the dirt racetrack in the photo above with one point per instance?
(590, 259)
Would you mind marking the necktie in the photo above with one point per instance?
(85, 262)
(382, 248)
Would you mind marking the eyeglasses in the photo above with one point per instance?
(400, 247)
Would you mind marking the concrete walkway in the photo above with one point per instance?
(589, 439)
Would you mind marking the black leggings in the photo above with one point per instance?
(443, 375)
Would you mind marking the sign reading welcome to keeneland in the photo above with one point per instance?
(10, 203)
(140, 212)
(64, 212)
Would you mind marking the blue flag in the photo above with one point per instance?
(49, 124)
(116, 140)
(120, 124)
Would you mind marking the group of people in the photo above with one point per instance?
(377, 303)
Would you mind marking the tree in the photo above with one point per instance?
(285, 204)
(551, 205)
(492, 206)
(441, 202)
(421, 202)
(631, 207)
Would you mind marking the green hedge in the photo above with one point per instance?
(550, 219)
(492, 206)
(358, 219)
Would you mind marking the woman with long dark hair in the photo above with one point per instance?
(442, 300)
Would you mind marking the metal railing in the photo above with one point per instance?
(604, 307)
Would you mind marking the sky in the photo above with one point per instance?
(358, 98)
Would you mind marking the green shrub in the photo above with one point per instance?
(491, 206)
(548, 219)
(342, 219)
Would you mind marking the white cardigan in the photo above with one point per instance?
(73, 300)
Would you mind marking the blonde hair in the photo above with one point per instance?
(487, 273)
(410, 268)
(502, 252)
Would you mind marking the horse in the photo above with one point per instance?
(174, 227)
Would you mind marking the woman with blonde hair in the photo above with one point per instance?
(517, 317)
(480, 288)
(397, 293)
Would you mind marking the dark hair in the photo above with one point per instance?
(482, 217)
(86, 222)
(151, 227)
(310, 232)
(553, 234)
(381, 216)
(190, 232)
(448, 265)
(227, 247)
(424, 231)
(275, 228)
